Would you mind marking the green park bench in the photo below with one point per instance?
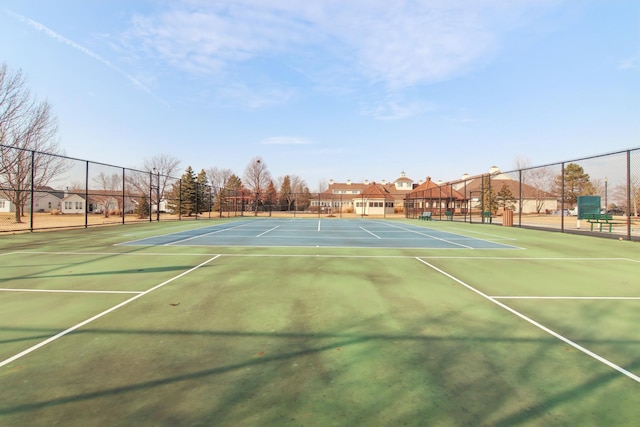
(602, 220)
(425, 216)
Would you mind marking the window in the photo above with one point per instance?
(78, 205)
(67, 205)
(1, 204)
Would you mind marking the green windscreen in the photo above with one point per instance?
(588, 205)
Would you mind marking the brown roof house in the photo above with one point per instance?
(439, 199)
(386, 197)
(533, 200)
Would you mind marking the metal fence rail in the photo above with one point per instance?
(543, 197)
(40, 191)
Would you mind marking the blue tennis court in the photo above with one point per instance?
(335, 233)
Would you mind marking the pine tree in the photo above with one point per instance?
(203, 193)
(286, 193)
(576, 183)
(233, 192)
(142, 208)
(505, 198)
(183, 194)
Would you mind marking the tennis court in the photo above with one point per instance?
(347, 233)
(306, 322)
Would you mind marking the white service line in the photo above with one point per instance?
(69, 291)
(318, 225)
(202, 235)
(262, 234)
(433, 237)
(536, 324)
(571, 298)
(374, 235)
(97, 316)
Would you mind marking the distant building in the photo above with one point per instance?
(363, 197)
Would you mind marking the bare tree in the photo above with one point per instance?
(256, 178)
(541, 179)
(164, 166)
(108, 194)
(218, 177)
(30, 155)
(157, 179)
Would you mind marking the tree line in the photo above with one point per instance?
(31, 156)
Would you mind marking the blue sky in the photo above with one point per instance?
(333, 89)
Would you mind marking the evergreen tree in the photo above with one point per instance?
(505, 199)
(489, 200)
(203, 193)
(576, 183)
(271, 195)
(286, 193)
(233, 192)
(183, 194)
(142, 208)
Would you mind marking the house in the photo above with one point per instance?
(375, 199)
(44, 200)
(343, 196)
(73, 203)
(434, 198)
(99, 202)
(534, 200)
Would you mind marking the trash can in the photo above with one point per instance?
(507, 218)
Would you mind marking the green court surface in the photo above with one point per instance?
(527, 328)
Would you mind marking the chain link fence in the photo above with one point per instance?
(39, 191)
(544, 197)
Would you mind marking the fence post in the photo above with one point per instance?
(33, 177)
(86, 196)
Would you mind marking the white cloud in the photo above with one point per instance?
(628, 64)
(341, 46)
(242, 96)
(286, 140)
(50, 33)
(399, 43)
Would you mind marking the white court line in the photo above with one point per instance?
(536, 324)
(428, 235)
(203, 235)
(152, 236)
(318, 225)
(374, 235)
(262, 234)
(69, 291)
(569, 298)
(97, 316)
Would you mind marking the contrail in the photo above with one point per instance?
(49, 32)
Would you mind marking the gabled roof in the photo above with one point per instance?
(431, 190)
(528, 191)
(375, 191)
